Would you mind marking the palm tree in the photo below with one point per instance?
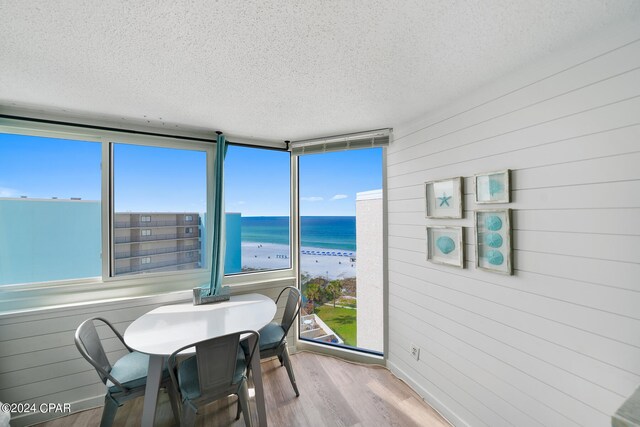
(313, 293)
(335, 289)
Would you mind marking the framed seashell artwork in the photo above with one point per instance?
(492, 187)
(445, 245)
(444, 198)
(493, 240)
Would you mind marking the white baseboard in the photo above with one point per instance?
(435, 403)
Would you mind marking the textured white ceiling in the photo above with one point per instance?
(277, 70)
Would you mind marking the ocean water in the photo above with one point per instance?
(332, 232)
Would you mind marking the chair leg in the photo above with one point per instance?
(287, 364)
(239, 409)
(243, 401)
(188, 416)
(109, 411)
(175, 403)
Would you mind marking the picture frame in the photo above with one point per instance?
(444, 198)
(445, 245)
(492, 187)
(493, 240)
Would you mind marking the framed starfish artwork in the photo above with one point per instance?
(493, 240)
(492, 187)
(445, 245)
(444, 198)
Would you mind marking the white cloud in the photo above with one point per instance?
(8, 192)
(312, 199)
(339, 197)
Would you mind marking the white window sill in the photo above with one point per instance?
(30, 298)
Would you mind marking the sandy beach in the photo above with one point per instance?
(312, 260)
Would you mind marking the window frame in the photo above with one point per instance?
(108, 175)
(293, 224)
(27, 296)
(353, 354)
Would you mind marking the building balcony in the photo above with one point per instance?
(152, 224)
(154, 266)
(152, 238)
(139, 253)
(313, 328)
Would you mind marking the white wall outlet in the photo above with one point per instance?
(415, 351)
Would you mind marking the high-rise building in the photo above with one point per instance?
(156, 241)
(369, 271)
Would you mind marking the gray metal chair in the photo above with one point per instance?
(126, 379)
(273, 337)
(218, 369)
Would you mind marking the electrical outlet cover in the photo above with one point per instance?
(415, 351)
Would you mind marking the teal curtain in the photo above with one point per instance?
(217, 252)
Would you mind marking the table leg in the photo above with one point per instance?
(154, 376)
(257, 383)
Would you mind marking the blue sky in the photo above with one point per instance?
(172, 180)
(47, 167)
(329, 182)
(257, 181)
(154, 179)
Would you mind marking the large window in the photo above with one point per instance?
(257, 202)
(50, 217)
(153, 187)
(341, 258)
(119, 214)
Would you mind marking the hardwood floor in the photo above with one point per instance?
(333, 392)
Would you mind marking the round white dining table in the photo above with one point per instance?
(165, 329)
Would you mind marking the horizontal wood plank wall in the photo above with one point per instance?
(39, 362)
(557, 343)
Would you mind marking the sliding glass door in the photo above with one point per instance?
(341, 243)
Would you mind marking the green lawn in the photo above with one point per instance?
(349, 302)
(341, 320)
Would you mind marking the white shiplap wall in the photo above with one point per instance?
(39, 362)
(557, 343)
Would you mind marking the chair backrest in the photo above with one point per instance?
(291, 310)
(89, 344)
(216, 358)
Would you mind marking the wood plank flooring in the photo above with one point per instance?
(333, 392)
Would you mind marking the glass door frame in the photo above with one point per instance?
(352, 354)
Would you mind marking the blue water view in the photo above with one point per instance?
(334, 232)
